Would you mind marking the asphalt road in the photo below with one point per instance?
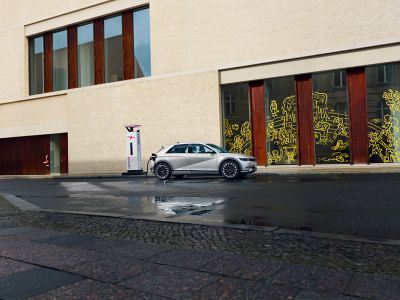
(361, 205)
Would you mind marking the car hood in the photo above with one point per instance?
(235, 155)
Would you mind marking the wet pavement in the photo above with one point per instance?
(65, 256)
(350, 204)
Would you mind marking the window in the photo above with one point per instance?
(230, 102)
(383, 106)
(281, 128)
(179, 149)
(385, 73)
(113, 56)
(331, 120)
(36, 65)
(237, 126)
(199, 149)
(339, 78)
(77, 61)
(141, 43)
(85, 55)
(60, 61)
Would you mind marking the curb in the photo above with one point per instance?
(26, 206)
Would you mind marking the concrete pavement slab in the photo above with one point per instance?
(50, 255)
(186, 258)
(171, 282)
(312, 278)
(34, 282)
(69, 240)
(242, 266)
(374, 286)
(238, 289)
(113, 269)
(314, 295)
(138, 250)
(94, 290)
(9, 267)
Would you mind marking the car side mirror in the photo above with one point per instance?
(210, 151)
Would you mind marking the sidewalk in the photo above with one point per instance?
(57, 256)
(261, 171)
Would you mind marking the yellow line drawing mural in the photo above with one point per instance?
(237, 137)
(330, 131)
(281, 131)
(384, 134)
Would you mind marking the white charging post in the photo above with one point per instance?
(133, 151)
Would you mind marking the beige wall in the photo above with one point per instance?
(191, 41)
(170, 109)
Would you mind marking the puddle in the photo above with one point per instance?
(196, 206)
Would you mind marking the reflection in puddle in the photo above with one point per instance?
(171, 206)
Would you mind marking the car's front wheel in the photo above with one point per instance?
(162, 171)
(230, 169)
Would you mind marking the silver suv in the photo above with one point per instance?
(197, 158)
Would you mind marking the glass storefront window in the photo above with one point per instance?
(331, 120)
(113, 55)
(237, 135)
(60, 60)
(36, 65)
(383, 105)
(141, 43)
(280, 116)
(85, 56)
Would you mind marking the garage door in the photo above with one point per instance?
(32, 155)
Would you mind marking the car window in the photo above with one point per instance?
(178, 149)
(199, 148)
(217, 148)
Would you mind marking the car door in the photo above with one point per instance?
(203, 159)
(178, 157)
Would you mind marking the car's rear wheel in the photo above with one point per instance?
(230, 169)
(162, 171)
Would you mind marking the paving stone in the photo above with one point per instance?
(68, 240)
(50, 255)
(234, 288)
(15, 230)
(34, 282)
(312, 278)
(186, 258)
(170, 282)
(138, 250)
(374, 286)
(94, 290)
(9, 267)
(7, 243)
(37, 234)
(243, 266)
(314, 295)
(112, 269)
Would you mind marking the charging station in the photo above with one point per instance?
(133, 151)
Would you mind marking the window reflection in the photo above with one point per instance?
(85, 56)
(281, 129)
(141, 43)
(36, 65)
(237, 122)
(383, 103)
(60, 61)
(331, 120)
(113, 55)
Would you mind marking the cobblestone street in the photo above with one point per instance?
(49, 256)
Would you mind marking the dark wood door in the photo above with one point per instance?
(25, 155)
(257, 116)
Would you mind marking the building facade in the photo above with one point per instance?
(291, 82)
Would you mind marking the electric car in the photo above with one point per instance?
(183, 159)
